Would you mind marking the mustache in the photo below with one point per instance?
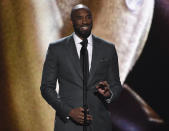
(85, 25)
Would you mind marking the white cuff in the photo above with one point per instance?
(67, 117)
(109, 99)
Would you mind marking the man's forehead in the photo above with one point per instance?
(79, 8)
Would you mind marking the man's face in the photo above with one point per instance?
(82, 22)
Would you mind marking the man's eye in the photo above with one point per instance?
(89, 17)
(79, 17)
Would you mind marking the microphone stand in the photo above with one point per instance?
(85, 78)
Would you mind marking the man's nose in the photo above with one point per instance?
(84, 21)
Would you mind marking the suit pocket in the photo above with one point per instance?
(103, 60)
(102, 66)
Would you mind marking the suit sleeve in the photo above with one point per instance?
(48, 84)
(113, 76)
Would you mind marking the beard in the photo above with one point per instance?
(83, 33)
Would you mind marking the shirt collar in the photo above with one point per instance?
(78, 40)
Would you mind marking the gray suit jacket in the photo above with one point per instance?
(62, 63)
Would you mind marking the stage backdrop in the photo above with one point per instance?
(27, 28)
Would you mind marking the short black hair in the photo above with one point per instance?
(78, 7)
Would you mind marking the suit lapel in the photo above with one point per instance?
(95, 58)
(75, 59)
(73, 55)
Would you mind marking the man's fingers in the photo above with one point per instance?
(106, 90)
(105, 83)
(101, 91)
(81, 121)
(81, 118)
(89, 117)
(81, 109)
(81, 114)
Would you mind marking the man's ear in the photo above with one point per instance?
(71, 22)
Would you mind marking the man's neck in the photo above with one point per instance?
(82, 38)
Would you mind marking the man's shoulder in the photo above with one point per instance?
(103, 42)
(61, 41)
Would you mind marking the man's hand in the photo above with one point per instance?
(77, 114)
(106, 91)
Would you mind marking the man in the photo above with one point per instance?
(63, 64)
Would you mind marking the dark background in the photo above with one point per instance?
(150, 75)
